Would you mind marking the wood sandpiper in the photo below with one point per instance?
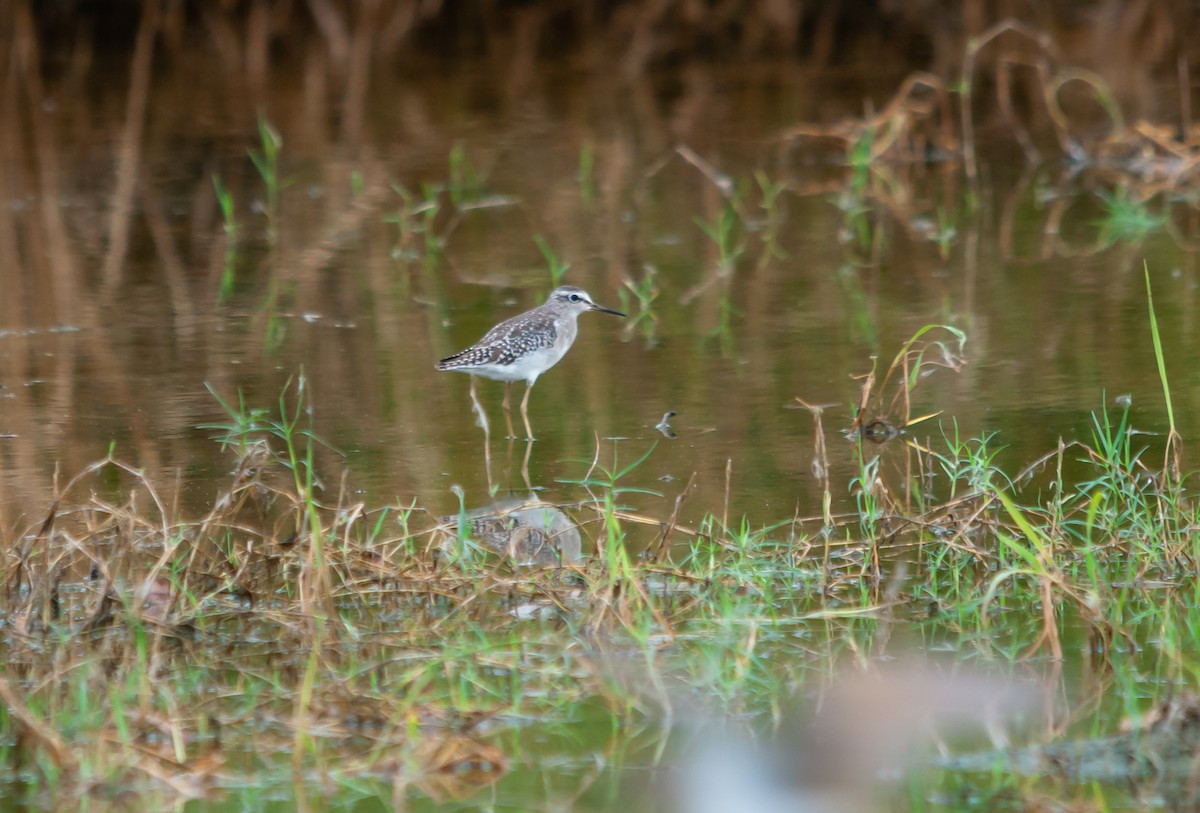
(525, 346)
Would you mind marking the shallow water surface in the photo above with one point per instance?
(364, 309)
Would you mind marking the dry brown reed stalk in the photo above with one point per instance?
(866, 388)
(718, 271)
(896, 133)
(914, 361)
(123, 524)
(668, 528)
(205, 564)
(643, 519)
(728, 489)
(129, 148)
(820, 461)
(1041, 40)
(722, 182)
(1004, 83)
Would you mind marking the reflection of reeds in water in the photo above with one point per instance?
(48, 285)
(108, 156)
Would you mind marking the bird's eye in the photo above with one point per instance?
(574, 297)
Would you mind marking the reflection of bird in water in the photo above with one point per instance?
(525, 346)
(528, 532)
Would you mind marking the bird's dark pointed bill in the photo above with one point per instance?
(603, 309)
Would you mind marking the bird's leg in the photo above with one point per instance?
(525, 412)
(508, 409)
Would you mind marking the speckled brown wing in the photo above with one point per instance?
(506, 342)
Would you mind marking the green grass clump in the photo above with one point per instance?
(1126, 217)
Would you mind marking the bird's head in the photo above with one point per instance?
(578, 300)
